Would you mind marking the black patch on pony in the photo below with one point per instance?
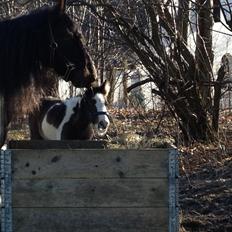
(36, 117)
(79, 126)
(56, 114)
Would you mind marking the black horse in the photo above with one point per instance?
(29, 46)
(75, 118)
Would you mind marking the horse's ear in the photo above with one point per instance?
(62, 4)
(106, 87)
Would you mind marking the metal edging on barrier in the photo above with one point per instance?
(173, 174)
(6, 191)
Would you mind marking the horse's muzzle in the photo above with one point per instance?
(80, 79)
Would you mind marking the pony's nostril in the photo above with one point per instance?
(102, 125)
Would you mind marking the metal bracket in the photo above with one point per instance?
(6, 191)
(173, 191)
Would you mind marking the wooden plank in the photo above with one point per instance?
(55, 144)
(90, 219)
(91, 193)
(32, 164)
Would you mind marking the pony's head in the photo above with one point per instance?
(68, 54)
(94, 105)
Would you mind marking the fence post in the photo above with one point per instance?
(2, 119)
(173, 191)
(6, 191)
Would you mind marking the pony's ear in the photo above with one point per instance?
(106, 87)
(61, 5)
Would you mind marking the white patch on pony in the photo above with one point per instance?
(52, 133)
(101, 107)
(100, 102)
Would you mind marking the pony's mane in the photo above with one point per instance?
(24, 40)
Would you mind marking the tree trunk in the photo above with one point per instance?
(125, 83)
(204, 52)
(194, 125)
(183, 19)
(217, 98)
(225, 68)
(112, 80)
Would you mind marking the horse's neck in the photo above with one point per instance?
(28, 40)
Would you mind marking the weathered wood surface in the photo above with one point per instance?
(91, 193)
(90, 190)
(55, 144)
(91, 220)
(33, 164)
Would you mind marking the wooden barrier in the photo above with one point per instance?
(74, 190)
(56, 144)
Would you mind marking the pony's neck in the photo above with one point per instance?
(75, 106)
(84, 114)
(80, 128)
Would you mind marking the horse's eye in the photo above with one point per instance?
(70, 33)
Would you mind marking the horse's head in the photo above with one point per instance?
(94, 104)
(68, 54)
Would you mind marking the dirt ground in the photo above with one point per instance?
(205, 193)
(205, 183)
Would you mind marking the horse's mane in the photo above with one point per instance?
(24, 41)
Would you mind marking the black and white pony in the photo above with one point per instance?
(75, 118)
(29, 46)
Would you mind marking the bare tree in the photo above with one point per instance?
(156, 31)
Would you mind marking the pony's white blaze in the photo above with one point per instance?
(52, 133)
(100, 102)
(101, 107)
